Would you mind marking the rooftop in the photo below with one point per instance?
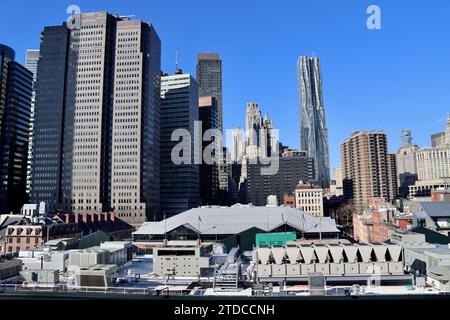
(436, 209)
(236, 219)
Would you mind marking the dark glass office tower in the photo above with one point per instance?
(15, 110)
(313, 129)
(209, 173)
(209, 78)
(179, 111)
(49, 126)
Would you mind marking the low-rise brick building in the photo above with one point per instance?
(26, 235)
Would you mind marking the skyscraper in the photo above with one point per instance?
(406, 163)
(368, 170)
(16, 84)
(313, 129)
(293, 167)
(209, 172)
(179, 110)
(96, 133)
(434, 163)
(31, 63)
(442, 138)
(260, 139)
(237, 145)
(209, 78)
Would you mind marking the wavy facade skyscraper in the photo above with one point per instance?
(313, 129)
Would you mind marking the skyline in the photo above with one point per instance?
(361, 68)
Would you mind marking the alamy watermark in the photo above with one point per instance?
(190, 149)
(374, 20)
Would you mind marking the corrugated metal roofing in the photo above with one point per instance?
(436, 209)
(233, 220)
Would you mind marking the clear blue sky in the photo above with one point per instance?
(391, 79)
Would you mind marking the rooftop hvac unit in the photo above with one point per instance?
(394, 252)
(365, 251)
(307, 253)
(336, 253)
(350, 252)
(321, 252)
(380, 252)
(278, 254)
(293, 253)
(263, 254)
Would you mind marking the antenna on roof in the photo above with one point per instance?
(177, 70)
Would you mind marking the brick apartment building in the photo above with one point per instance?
(378, 222)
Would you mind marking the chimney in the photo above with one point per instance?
(111, 215)
(99, 217)
(76, 217)
(105, 215)
(92, 215)
(67, 218)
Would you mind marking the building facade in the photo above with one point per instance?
(378, 222)
(237, 149)
(259, 185)
(98, 99)
(433, 163)
(406, 164)
(16, 84)
(180, 182)
(313, 129)
(309, 198)
(31, 63)
(209, 78)
(367, 168)
(209, 172)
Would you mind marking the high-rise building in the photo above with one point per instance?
(224, 171)
(209, 172)
(367, 168)
(434, 163)
(209, 78)
(180, 184)
(406, 163)
(16, 84)
(293, 167)
(31, 63)
(313, 129)
(260, 138)
(237, 149)
(96, 131)
(441, 139)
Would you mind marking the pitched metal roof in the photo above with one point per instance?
(236, 219)
(436, 209)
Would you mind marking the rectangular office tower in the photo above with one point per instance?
(294, 166)
(15, 109)
(209, 172)
(96, 132)
(31, 63)
(209, 77)
(313, 129)
(179, 174)
(368, 170)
